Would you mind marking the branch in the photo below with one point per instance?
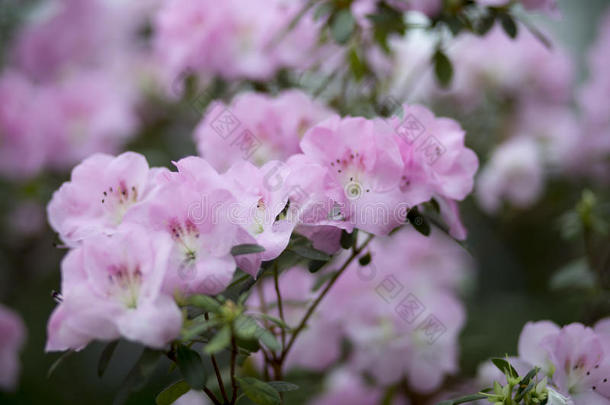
(315, 304)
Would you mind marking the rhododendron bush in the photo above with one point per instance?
(349, 202)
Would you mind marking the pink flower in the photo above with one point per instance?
(260, 202)
(436, 160)
(198, 217)
(514, 173)
(87, 113)
(65, 32)
(522, 68)
(344, 387)
(437, 164)
(232, 39)
(403, 325)
(101, 191)
(349, 169)
(111, 288)
(61, 37)
(593, 148)
(400, 312)
(21, 155)
(257, 128)
(12, 337)
(576, 357)
(310, 351)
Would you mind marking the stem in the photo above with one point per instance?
(310, 311)
(292, 23)
(279, 302)
(233, 380)
(217, 371)
(211, 395)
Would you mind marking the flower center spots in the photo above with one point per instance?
(118, 199)
(349, 169)
(185, 235)
(258, 219)
(404, 184)
(125, 284)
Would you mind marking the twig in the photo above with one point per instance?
(217, 371)
(211, 395)
(315, 304)
(233, 359)
(279, 302)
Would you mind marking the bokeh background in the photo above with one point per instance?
(516, 251)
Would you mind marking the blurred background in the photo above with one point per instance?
(519, 245)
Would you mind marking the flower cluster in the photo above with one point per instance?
(400, 313)
(574, 359)
(526, 107)
(234, 39)
(68, 89)
(139, 235)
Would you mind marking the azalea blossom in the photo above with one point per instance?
(576, 358)
(12, 338)
(437, 164)
(112, 288)
(191, 212)
(514, 173)
(233, 39)
(257, 128)
(102, 189)
(261, 204)
(349, 169)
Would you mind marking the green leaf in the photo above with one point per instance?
(275, 320)
(283, 386)
(198, 329)
(138, 375)
(170, 394)
(463, 400)
(259, 392)
(485, 24)
(366, 259)
(356, 64)
(208, 304)
(105, 357)
(248, 328)
(505, 367)
(347, 239)
(246, 249)
(249, 345)
(323, 10)
(574, 275)
(57, 362)
(191, 367)
(309, 253)
(442, 68)
(322, 280)
(315, 265)
(342, 25)
(268, 339)
(523, 391)
(419, 222)
(509, 25)
(220, 341)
